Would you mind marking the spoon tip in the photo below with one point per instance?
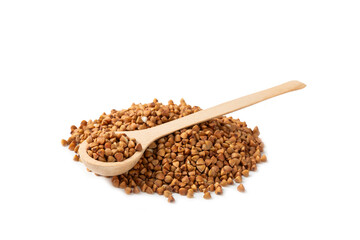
(300, 85)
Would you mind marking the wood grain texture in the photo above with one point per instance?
(147, 136)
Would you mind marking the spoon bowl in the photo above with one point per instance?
(116, 168)
(147, 136)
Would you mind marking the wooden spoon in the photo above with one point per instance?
(147, 136)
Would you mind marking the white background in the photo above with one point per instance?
(65, 61)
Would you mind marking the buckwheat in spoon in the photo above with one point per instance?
(146, 136)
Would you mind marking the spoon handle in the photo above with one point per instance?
(225, 108)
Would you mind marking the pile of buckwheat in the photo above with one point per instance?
(202, 158)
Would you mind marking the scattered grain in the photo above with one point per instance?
(128, 190)
(64, 142)
(171, 199)
(241, 188)
(190, 193)
(207, 195)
